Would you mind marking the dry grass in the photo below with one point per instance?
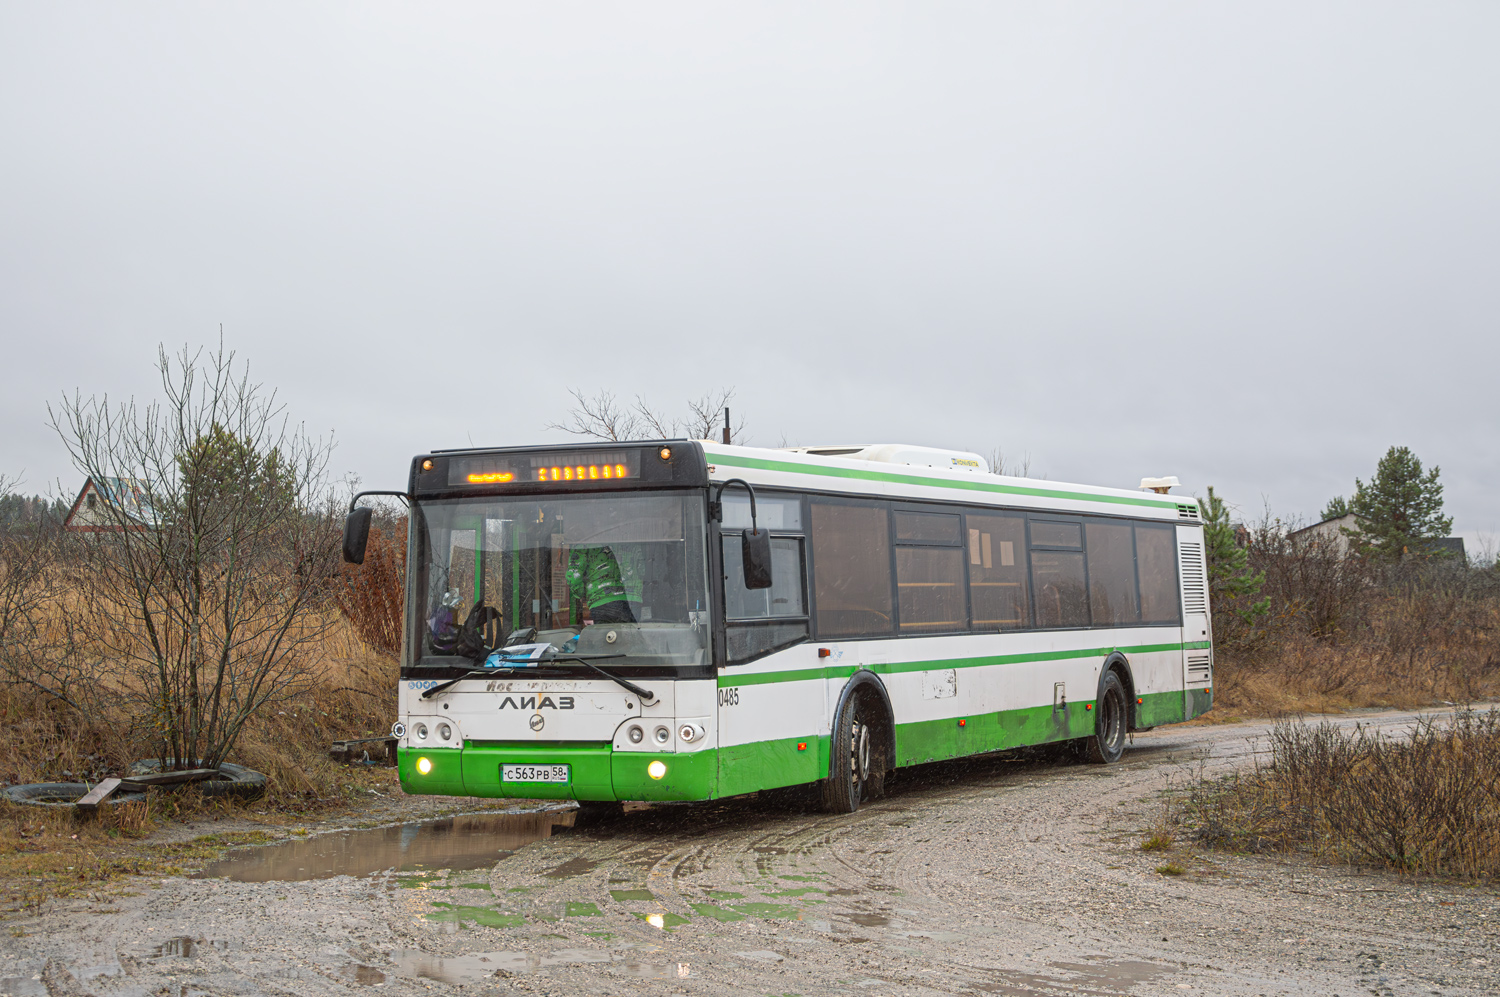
(49, 852)
(1408, 650)
(1427, 803)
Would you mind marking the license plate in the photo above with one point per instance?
(534, 773)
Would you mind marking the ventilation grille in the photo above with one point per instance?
(1198, 668)
(1194, 588)
(1187, 512)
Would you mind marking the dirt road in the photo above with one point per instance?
(1009, 876)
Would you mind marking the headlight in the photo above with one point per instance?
(662, 735)
(398, 729)
(656, 770)
(421, 732)
(635, 734)
(687, 732)
(444, 732)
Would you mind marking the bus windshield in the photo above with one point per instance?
(622, 575)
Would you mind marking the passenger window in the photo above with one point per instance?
(926, 527)
(1045, 534)
(1061, 600)
(1112, 593)
(851, 569)
(1156, 554)
(930, 581)
(998, 588)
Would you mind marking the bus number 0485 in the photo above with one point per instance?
(729, 697)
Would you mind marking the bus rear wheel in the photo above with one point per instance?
(855, 756)
(1108, 741)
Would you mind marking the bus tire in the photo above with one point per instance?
(1111, 719)
(853, 754)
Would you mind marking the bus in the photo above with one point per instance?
(684, 620)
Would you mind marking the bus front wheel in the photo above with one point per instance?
(855, 755)
(1108, 741)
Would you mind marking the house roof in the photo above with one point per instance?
(126, 495)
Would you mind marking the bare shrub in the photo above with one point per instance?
(1426, 803)
(200, 604)
(372, 595)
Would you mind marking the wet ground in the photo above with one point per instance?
(1011, 875)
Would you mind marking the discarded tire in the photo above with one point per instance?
(61, 794)
(232, 780)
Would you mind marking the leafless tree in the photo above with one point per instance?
(604, 417)
(1017, 469)
(198, 603)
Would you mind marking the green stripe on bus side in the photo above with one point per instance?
(892, 668)
(911, 479)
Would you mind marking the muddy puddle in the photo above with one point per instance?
(470, 841)
(478, 967)
(1075, 978)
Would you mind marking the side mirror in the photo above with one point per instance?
(357, 535)
(755, 552)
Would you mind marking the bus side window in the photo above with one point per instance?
(1112, 589)
(930, 572)
(998, 587)
(1058, 574)
(762, 620)
(1156, 558)
(852, 569)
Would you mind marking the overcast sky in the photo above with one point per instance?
(1251, 245)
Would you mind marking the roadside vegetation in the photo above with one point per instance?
(1378, 615)
(1425, 803)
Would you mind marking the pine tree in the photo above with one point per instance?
(1400, 510)
(1337, 508)
(1232, 586)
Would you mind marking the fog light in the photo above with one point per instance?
(421, 732)
(444, 732)
(662, 735)
(635, 734)
(424, 765)
(655, 770)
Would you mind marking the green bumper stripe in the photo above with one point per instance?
(731, 677)
(735, 460)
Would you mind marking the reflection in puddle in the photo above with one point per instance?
(471, 841)
(1086, 978)
(367, 976)
(477, 966)
(869, 920)
(186, 947)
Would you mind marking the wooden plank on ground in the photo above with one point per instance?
(170, 778)
(97, 795)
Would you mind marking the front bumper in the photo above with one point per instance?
(598, 772)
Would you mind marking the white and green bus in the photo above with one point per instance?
(685, 620)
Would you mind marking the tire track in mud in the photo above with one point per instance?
(1014, 874)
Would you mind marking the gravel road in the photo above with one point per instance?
(1005, 876)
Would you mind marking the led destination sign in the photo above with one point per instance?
(609, 465)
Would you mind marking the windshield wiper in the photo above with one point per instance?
(646, 695)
